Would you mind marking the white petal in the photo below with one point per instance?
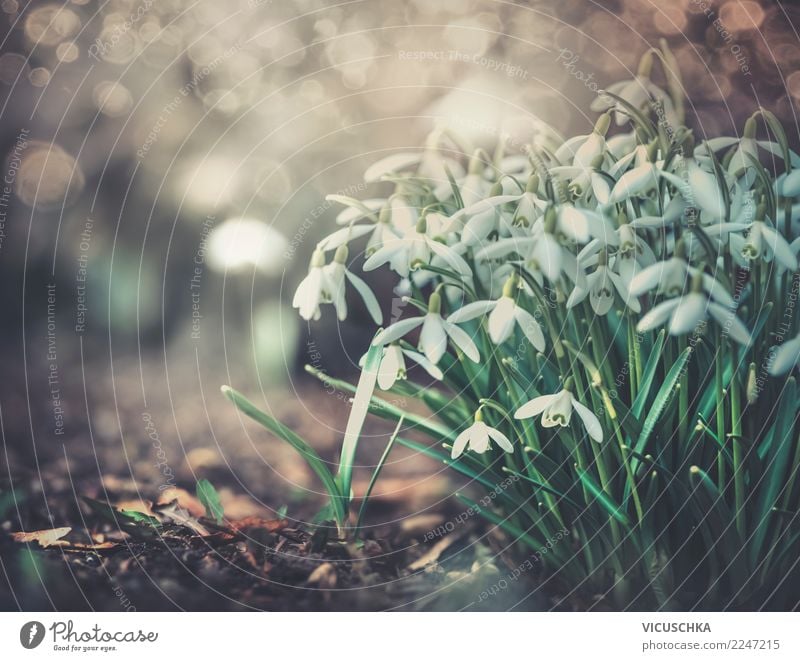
(397, 330)
(530, 327)
(453, 260)
(534, 407)
(353, 213)
(560, 410)
(471, 311)
(460, 443)
(547, 253)
(393, 163)
(479, 439)
(366, 294)
(426, 364)
(500, 438)
(689, 312)
(573, 223)
(432, 339)
(647, 279)
(785, 357)
(308, 293)
(730, 323)
(633, 182)
(590, 421)
(462, 341)
(501, 320)
(780, 247)
(657, 316)
(344, 235)
(383, 255)
(391, 365)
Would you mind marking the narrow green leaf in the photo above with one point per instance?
(308, 453)
(771, 483)
(378, 468)
(603, 498)
(776, 128)
(517, 534)
(355, 422)
(648, 375)
(207, 494)
(659, 404)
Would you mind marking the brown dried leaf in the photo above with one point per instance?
(181, 516)
(324, 576)
(45, 538)
(270, 525)
(185, 499)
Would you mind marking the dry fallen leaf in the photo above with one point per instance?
(45, 538)
(270, 525)
(181, 516)
(433, 554)
(324, 576)
(185, 500)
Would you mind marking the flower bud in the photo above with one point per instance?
(550, 218)
(533, 184)
(752, 384)
(750, 128)
(476, 165)
(317, 259)
(340, 257)
(645, 65)
(435, 303)
(511, 285)
(602, 124)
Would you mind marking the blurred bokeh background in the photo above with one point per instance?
(165, 172)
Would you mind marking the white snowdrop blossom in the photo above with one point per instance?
(476, 437)
(685, 313)
(556, 410)
(312, 290)
(326, 283)
(434, 335)
(414, 249)
(393, 365)
(504, 313)
(785, 357)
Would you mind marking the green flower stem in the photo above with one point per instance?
(736, 433)
(611, 415)
(683, 398)
(719, 368)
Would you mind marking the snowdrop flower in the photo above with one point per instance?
(763, 242)
(504, 314)
(336, 275)
(541, 253)
(434, 335)
(312, 290)
(670, 277)
(600, 287)
(785, 357)
(414, 249)
(685, 313)
(477, 437)
(556, 410)
(638, 181)
(698, 186)
(637, 92)
(393, 365)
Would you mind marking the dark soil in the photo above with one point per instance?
(258, 558)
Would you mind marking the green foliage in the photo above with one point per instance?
(208, 496)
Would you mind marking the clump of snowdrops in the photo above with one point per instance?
(611, 321)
